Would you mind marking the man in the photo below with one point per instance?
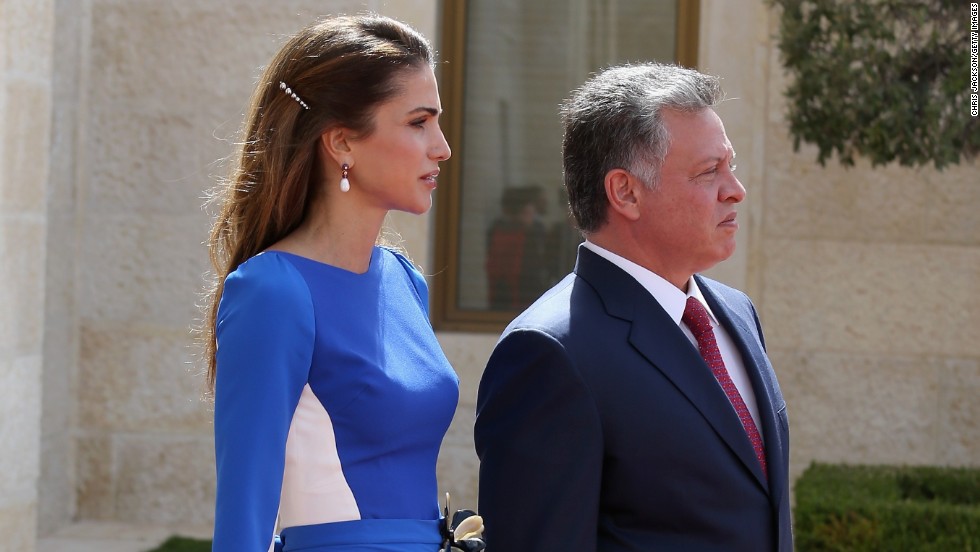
(632, 407)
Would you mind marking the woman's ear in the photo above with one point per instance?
(336, 144)
(622, 193)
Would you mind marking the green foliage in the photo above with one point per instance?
(872, 508)
(884, 79)
(182, 544)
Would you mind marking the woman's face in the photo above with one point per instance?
(395, 168)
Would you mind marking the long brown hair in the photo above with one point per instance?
(341, 68)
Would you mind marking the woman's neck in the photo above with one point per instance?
(338, 234)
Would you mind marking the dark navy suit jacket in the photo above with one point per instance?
(600, 428)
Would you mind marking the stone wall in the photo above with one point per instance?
(873, 280)
(26, 28)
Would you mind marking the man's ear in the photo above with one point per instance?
(336, 144)
(621, 191)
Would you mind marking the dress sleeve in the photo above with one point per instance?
(540, 444)
(265, 333)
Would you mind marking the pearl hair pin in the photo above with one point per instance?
(289, 92)
(344, 183)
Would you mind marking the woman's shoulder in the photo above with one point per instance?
(410, 272)
(403, 263)
(267, 277)
(396, 254)
(264, 267)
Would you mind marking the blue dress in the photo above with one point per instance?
(331, 401)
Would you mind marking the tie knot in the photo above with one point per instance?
(696, 317)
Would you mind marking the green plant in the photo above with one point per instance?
(183, 544)
(888, 80)
(871, 508)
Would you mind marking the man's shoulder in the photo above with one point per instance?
(736, 301)
(550, 312)
(720, 289)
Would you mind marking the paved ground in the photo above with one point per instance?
(113, 537)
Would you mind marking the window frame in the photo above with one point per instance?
(446, 315)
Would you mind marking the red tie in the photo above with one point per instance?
(697, 320)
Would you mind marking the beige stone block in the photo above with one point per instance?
(25, 150)
(60, 323)
(22, 291)
(60, 309)
(872, 298)
(458, 466)
(95, 477)
(131, 380)
(181, 53)
(460, 431)
(959, 413)
(150, 478)
(26, 28)
(20, 428)
(885, 204)
(411, 233)
(458, 474)
(165, 480)
(420, 14)
(468, 353)
(148, 161)
(141, 270)
(144, 52)
(17, 522)
(71, 26)
(863, 409)
(56, 487)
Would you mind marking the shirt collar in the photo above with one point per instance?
(671, 299)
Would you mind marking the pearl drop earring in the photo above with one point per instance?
(344, 183)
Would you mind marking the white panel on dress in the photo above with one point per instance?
(314, 488)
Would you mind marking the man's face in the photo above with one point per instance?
(688, 220)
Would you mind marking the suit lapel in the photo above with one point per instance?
(761, 376)
(658, 338)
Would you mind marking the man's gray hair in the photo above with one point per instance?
(615, 120)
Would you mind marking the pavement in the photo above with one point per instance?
(94, 536)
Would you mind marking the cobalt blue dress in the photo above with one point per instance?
(332, 398)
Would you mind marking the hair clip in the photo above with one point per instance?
(289, 91)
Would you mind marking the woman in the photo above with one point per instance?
(331, 393)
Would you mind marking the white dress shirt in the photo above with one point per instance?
(674, 301)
